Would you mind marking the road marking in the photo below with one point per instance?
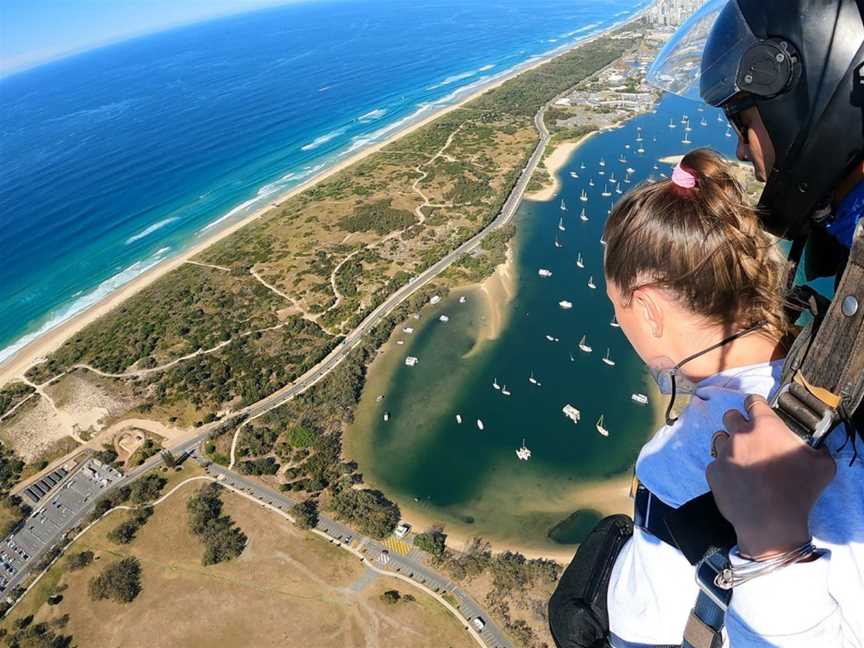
(397, 546)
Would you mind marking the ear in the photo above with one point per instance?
(649, 310)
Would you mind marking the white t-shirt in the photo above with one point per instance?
(652, 587)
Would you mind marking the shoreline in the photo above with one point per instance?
(553, 163)
(30, 353)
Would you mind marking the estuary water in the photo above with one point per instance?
(470, 479)
(115, 159)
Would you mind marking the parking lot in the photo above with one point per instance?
(51, 516)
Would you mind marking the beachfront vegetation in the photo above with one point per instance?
(367, 510)
(12, 394)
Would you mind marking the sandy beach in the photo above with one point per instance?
(45, 344)
(553, 163)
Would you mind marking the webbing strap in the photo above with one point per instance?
(827, 380)
(705, 626)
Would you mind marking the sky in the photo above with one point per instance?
(37, 31)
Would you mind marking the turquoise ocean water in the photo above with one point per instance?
(115, 159)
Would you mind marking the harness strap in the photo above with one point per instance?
(825, 385)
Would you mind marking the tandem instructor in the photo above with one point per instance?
(777, 545)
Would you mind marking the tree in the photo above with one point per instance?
(148, 488)
(432, 542)
(120, 581)
(391, 597)
(79, 560)
(368, 510)
(168, 459)
(222, 539)
(305, 513)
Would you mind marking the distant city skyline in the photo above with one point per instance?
(32, 33)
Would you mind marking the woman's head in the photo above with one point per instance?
(690, 249)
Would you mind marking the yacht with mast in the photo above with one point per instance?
(618, 188)
(584, 196)
(563, 206)
(579, 262)
(523, 453)
(591, 283)
(574, 175)
(583, 216)
(557, 242)
(590, 182)
(561, 224)
(672, 123)
(583, 345)
(606, 193)
(638, 134)
(608, 358)
(480, 425)
(612, 178)
(505, 391)
(495, 384)
(600, 428)
(614, 323)
(533, 380)
(572, 359)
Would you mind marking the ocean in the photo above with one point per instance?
(116, 159)
(469, 479)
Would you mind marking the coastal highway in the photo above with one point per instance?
(332, 360)
(508, 210)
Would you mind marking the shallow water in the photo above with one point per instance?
(471, 479)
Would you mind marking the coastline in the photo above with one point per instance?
(554, 162)
(32, 352)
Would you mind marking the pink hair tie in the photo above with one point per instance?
(683, 178)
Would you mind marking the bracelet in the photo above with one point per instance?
(732, 576)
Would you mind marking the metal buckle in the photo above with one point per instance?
(813, 435)
(711, 571)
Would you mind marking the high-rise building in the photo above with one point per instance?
(671, 13)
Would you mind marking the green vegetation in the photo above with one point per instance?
(120, 581)
(433, 542)
(10, 469)
(305, 513)
(379, 217)
(107, 502)
(79, 560)
(26, 634)
(222, 539)
(391, 597)
(367, 510)
(125, 532)
(262, 466)
(13, 511)
(146, 450)
(147, 489)
(12, 394)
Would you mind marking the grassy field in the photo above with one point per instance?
(287, 588)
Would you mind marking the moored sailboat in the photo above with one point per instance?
(601, 428)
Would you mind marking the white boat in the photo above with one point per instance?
(523, 453)
(703, 122)
(400, 342)
(583, 216)
(480, 425)
(572, 359)
(543, 272)
(566, 305)
(583, 345)
(627, 146)
(685, 118)
(686, 139)
(409, 330)
(622, 159)
(591, 283)
(505, 391)
(640, 150)
(614, 323)
(720, 119)
(552, 339)
(463, 299)
(533, 380)
(630, 170)
(627, 179)
(590, 182)
(563, 206)
(380, 398)
(459, 419)
(642, 399)
(602, 241)
(606, 193)
(444, 318)
(557, 242)
(410, 361)
(561, 224)
(638, 134)
(618, 188)
(612, 178)
(386, 416)
(579, 262)
(572, 413)
(608, 359)
(728, 133)
(434, 299)
(672, 123)
(582, 166)
(602, 162)
(574, 175)
(656, 167)
(495, 384)
(602, 430)
(584, 196)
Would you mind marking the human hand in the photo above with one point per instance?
(765, 480)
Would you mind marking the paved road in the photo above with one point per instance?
(400, 564)
(375, 553)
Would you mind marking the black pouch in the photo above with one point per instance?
(578, 617)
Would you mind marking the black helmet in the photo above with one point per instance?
(800, 62)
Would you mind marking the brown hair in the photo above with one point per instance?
(703, 243)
